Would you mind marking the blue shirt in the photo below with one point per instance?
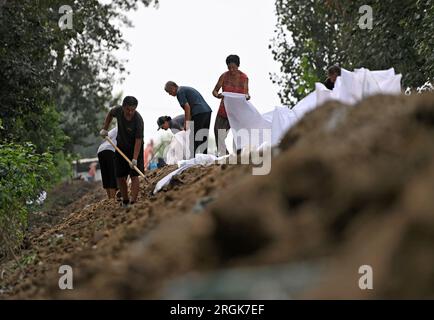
(177, 124)
(191, 96)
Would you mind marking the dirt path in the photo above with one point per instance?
(351, 186)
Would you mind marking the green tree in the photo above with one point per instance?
(23, 175)
(306, 42)
(25, 68)
(72, 70)
(54, 86)
(312, 35)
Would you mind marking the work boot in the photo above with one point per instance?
(125, 204)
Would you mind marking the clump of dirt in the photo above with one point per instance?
(100, 231)
(351, 187)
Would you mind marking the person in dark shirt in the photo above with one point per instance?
(332, 74)
(130, 142)
(197, 112)
(175, 125)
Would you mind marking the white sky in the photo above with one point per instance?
(187, 41)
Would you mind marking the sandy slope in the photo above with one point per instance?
(351, 186)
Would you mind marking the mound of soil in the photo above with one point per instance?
(351, 186)
(67, 197)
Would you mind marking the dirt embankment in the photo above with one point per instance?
(351, 186)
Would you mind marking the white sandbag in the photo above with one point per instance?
(260, 129)
(283, 119)
(199, 160)
(352, 87)
(305, 105)
(322, 95)
(247, 124)
(265, 130)
(176, 150)
(166, 180)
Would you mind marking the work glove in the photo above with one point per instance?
(103, 133)
(133, 163)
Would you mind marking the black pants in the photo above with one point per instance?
(106, 160)
(199, 136)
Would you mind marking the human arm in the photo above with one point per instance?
(246, 88)
(137, 147)
(187, 112)
(138, 141)
(217, 88)
(183, 102)
(107, 121)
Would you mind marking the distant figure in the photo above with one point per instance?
(175, 125)
(332, 74)
(92, 172)
(231, 81)
(153, 165)
(160, 162)
(197, 111)
(130, 142)
(106, 158)
(148, 154)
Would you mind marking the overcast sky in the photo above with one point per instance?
(188, 41)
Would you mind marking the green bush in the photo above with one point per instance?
(23, 175)
(63, 167)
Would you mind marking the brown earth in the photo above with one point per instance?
(351, 186)
(62, 201)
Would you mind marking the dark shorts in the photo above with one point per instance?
(123, 168)
(106, 160)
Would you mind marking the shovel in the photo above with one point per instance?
(124, 156)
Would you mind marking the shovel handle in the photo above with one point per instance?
(124, 156)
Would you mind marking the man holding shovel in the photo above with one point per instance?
(129, 144)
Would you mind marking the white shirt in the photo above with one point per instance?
(106, 145)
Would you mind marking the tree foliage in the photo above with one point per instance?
(23, 175)
(55, 83)
(312, 35)
(71, 69)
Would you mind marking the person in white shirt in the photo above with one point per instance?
(106, 158)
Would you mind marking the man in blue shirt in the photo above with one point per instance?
(197, 113)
